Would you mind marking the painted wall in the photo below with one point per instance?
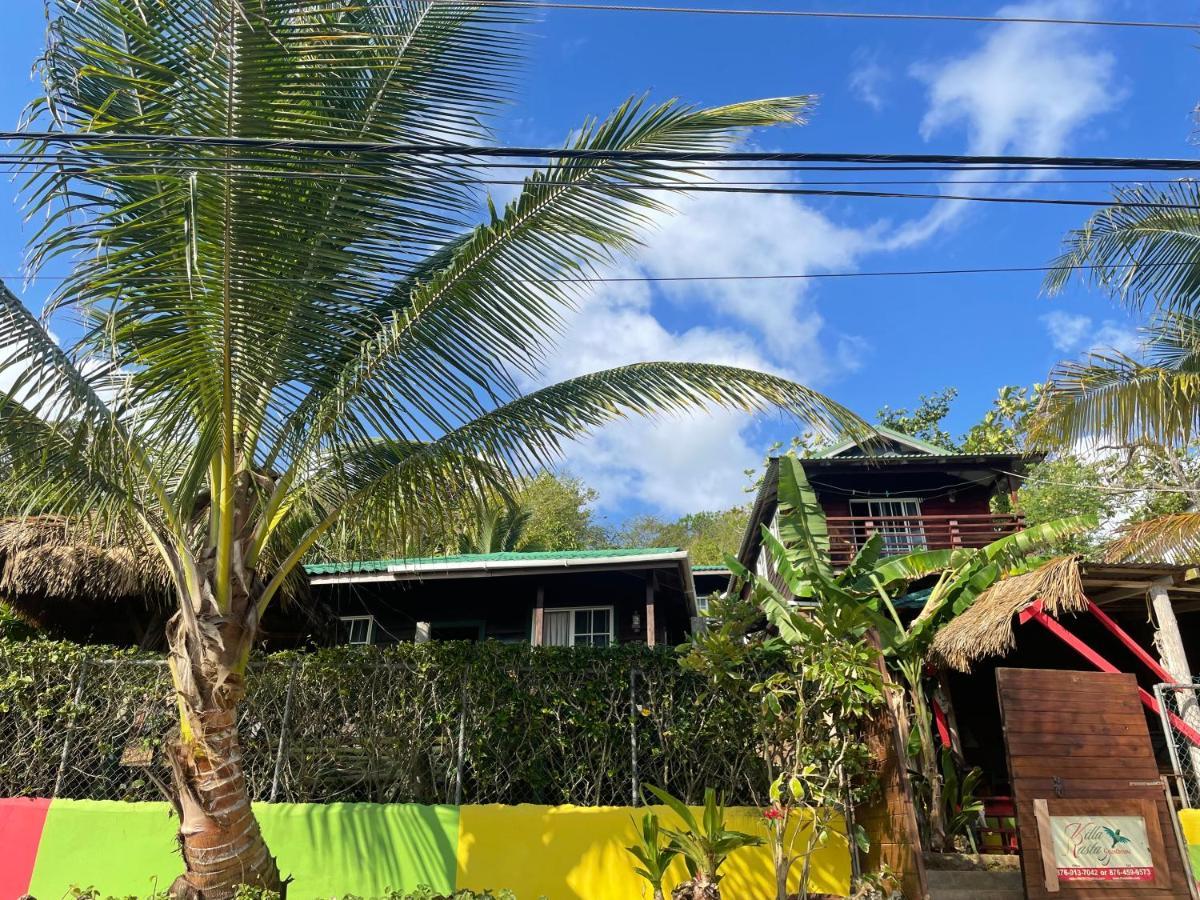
(561, 853)
(1190, 819)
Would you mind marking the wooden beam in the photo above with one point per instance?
(539, 617)
(1173, 653)
(651, 627)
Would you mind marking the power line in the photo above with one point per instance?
(621, 279)
(153, 167)
(569, 153)
(829, 14)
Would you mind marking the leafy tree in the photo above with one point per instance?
(708, 536)
(845, 603)
(277, 339)
(925, 420)
(560, 514)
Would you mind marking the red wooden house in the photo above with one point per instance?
(917, 495)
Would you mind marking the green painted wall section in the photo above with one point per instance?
(328, 849)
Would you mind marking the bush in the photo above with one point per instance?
(386, 724)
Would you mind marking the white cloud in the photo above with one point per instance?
(1071, 333)
(1025, 89)
(683, 463)
(868, 78)
(1066, 331)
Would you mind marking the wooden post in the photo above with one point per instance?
(1174, 658)
(651, 628)
(539, 616)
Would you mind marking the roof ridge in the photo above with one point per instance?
(370, 565)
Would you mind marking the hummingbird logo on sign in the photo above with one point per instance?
(1116, 836)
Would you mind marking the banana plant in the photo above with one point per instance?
(863, 595)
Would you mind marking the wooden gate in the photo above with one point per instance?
(1092, 813)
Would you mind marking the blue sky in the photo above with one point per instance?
(882, 86)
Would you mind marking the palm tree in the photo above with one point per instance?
(495, 527)
(1146, 257)
(273, 338)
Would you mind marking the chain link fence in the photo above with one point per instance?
(1179, 707)
(432, 723)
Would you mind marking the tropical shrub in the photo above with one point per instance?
(654, 856)
(542, 725)
(704, 844)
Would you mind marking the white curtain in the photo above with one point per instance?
(556, 628)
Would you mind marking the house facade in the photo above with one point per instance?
(572, 598)
(918, 496)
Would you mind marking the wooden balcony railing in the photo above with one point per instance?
(904, 534)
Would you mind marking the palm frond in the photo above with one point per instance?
(1171, 539)
(1137, 254)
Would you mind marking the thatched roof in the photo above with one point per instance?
(51, 575)
(986, 629)
(115, 589)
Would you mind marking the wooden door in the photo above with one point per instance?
(1078, 747)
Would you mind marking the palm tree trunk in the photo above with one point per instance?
(219, 837)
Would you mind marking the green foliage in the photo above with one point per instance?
(816, 680)
(1004, 426)
(704, 843)
(961, 808)
(561, 515)
(708, 536)
(545, 725)
(925, 420)
(655, 856)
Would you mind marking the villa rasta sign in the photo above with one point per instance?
(1110, 840)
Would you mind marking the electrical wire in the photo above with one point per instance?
(483, 151)
(618, 279)
(827, 14)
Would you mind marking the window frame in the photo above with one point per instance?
(612, 622)
(914, 537)
(349, 620)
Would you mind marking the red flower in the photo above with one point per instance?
(773, 813)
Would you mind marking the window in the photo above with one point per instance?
(897, 520)
(576, 627)
(358, 630)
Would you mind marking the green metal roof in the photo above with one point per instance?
(385, 565)
(922, 448)
(710, 568)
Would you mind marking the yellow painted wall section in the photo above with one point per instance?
(578, 853)
(1190, 820)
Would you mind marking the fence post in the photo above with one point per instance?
(66, 750)
(461, 751)
(636, 784)
(283, 730)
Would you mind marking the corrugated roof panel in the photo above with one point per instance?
(384, 565)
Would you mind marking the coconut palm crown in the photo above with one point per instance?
(1143, 251)
(271, 339)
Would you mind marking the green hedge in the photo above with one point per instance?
(427, 723)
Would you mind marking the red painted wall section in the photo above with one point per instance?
(21, 823)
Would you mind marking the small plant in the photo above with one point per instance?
(705, 844)
(654, 856)
(881, 885)
(960, 809)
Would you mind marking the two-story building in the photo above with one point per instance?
(917, 495)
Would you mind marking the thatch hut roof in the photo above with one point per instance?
(986, 628)
(56, 578)
(110, 588)
(1064, 586)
